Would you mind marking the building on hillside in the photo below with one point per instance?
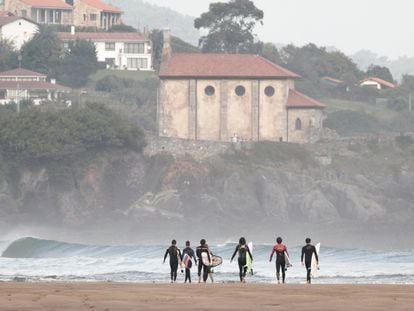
(49, 12)
(118, 50)
(228, 97)
(377, 83)
(22, 84)
(17, 30)
(82, 13)
(95, 13)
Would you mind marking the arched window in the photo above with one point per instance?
(209, 90)
(240, 90)
(269, 91)
(298, 124)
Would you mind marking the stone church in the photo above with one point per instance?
(233, 97)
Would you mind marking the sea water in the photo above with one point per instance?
(31, 259)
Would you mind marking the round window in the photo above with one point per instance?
(269, 91)
(209, 90)
(240, 90)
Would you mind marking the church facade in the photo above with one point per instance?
(233, 97)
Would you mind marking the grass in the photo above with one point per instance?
(378, 111)
(123, 74)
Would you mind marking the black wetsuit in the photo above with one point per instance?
(307, 251)
(243, 250)
(280, 250)
(206, 269)
(175, 257)
(189, 251)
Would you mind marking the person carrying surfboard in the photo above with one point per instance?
(243, 251)
(307, 251)
(188, 253)
(175, 258)
(281, 253)
(200, 250)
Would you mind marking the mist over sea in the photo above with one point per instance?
(36, 260)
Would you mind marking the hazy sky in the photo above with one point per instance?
(383, 26)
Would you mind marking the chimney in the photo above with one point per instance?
(72, 30)
(166, 48)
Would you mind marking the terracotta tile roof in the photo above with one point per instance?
(103, 36)
(381, 81)
(106, 7)
(222, 65)
(53, 4)
(31, 85)
(299, 100)
(21, 72)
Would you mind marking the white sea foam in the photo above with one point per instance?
(41, 260)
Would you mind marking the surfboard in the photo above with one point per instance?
(186, 262)
(314, 264)
(287, 260)
(214, 262)
(249, 263)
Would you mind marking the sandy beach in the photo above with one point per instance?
(122, 296)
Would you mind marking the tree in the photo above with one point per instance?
(43, 52)
(380, 72)
(230, 26)
(122, 28)
(79, 62)
(8, 56)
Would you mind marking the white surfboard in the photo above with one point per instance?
(249, 262)
(287, 260)
(314, 263)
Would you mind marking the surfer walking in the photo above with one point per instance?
(175, 258)
(202, 267)
(243, 250)
(307, 251)
(280, 250)
(189, 253)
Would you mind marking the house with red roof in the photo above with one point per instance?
(220, 97)
(95, 13)
(42, 11)
(85, 13)
(377, 83)
(16, 30)
(22, 84)
(118, 50)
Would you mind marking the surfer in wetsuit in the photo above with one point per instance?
(175, 258)
(242, 249)
(280, 250)
(203, 248)
(190, 253)
(307, 251)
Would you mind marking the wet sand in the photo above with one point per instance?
(125, 296)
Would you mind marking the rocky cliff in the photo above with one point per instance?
(351, 192)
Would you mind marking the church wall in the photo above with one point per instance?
(173, 111)
(208, 110)
(311, 125)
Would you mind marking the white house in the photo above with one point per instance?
(377, 83)
(17, 30)
(118, 50)
(21, 84)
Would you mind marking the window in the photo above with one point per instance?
(298, 124)
(2, 94)
(85, 17)
(139, 63)
(209, 90)
(92, 17)
(134, 48)
(240, 90)
(109, 46)
(58, 17)
(269, 91)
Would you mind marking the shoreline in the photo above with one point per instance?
(19, 296)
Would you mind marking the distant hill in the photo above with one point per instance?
(140, 14)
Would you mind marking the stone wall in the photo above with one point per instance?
(82, 13)
(311, 125)
(187, 110)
